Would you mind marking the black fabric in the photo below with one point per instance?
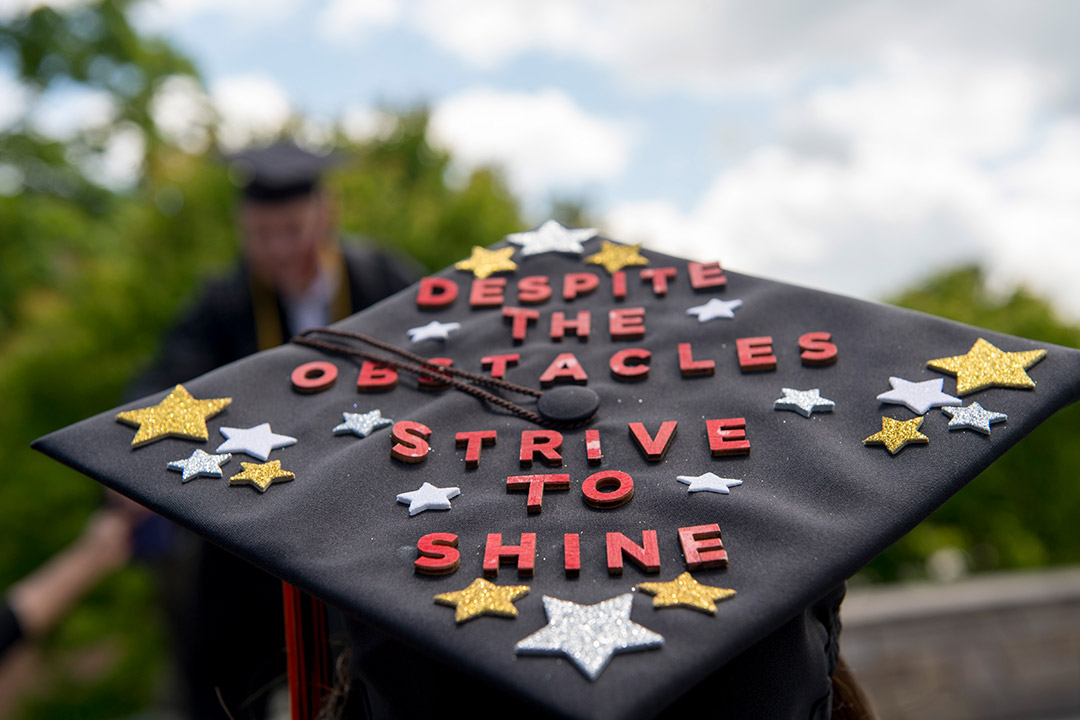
(10, 629)
(788, 674)
(815, 504)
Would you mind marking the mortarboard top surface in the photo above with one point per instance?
(815, 503)
(280, 171)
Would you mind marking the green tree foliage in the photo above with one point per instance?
(1021, 512)
(90, 277)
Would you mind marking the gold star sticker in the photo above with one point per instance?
(986, 366)
(684, 591)
(261, 475)
(615, 257)
(483, 598)
(484, 262)
(895, 434)
(179, 415)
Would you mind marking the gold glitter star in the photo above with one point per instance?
(179, 415)
(484, 262)
(895, 434)
(615, 257)
(483, 598)
(684, 591)
(261, 475)
(986, 366)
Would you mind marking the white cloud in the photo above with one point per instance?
(182, 113)
(937, 164)
(65, 110)
(543, 141)
(363, 122)
(10, 9)
(251, 108)
(120, 164)
(345, 20)
(246, 16)
(16, 99)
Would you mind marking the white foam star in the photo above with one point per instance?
(434, 330)
(804, 402)
(918, 396)
(199, 464)
(552, 237)
(709, 482)
(257, 441)
(428, 497)
(973, 417)
(715, 308)
(362, 424)
(589, 634)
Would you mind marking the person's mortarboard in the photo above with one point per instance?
(755, 444)
(278, 172)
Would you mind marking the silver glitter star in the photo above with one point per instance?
(803, 402)
(552, 237)
(257, 441)
(362, 424)
(589, 634)
(709, 482)
(715, 308)
(200, 464)
(428, 497)
(434, 330)
(918, 396)
(973, 417)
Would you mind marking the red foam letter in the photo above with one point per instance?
(495, 553)
(546, 442)
(436, 292)
(437, 554)
(727, 437)
(410, 441)
(646, 556)
(755, 354)
(816, 349)
(536, 484)
(472, 442)
(702, 547)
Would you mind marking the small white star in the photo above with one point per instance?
(918, 396)
(709, 482)
(589, 634)
(973, 417)
(552, 237)
(804, 402)
(257, 441)
(428, 497)
(200, 464)
(362, 424)
(434, 330)
(715, 308)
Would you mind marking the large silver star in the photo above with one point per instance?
(589, 634)
(973, 417)
(199, 464)
(362, 424)
(552, 237)
(434, 330)
(709, 482)
(715, 308)
(428, 497)
(257, 441)
(803, 402)
(918, 396)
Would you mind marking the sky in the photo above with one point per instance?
(851, 145)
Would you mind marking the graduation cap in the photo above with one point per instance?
(599, 480)
(278, 172)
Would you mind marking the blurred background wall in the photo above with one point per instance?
(927, 156)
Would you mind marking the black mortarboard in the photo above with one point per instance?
(278, 172)
(751, 436)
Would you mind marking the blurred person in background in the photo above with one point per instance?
(297, 271)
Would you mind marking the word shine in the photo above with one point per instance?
(701, 545)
